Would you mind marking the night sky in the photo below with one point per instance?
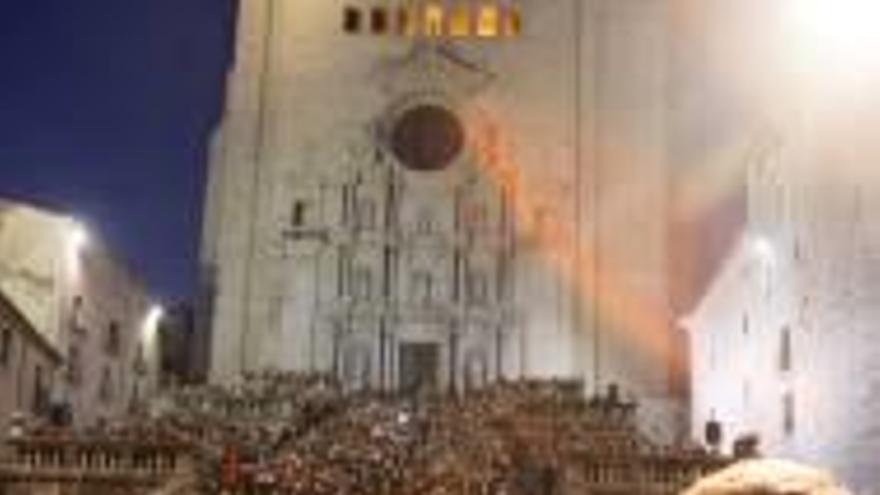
(105, 110)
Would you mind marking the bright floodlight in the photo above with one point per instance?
(79, 238)
(838, 31)
(155, 316)
(763, 249)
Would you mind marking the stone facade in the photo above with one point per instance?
(87, 306)
(534, 245)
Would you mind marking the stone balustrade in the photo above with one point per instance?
(130, 462)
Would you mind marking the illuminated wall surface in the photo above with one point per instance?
(784, 343)
(783, 338)
(76, 293)
(500, 197)
(33, 263)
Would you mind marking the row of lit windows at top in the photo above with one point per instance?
(435, 20)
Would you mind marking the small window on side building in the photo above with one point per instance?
(6, 343)
(785, 349)
(105, 389)
(788, 413)
(40, 396)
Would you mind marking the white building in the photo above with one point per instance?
(87, 305)
(783, 338)
(444, 193)
(784, 341)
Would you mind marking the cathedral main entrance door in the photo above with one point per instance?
(418, 366)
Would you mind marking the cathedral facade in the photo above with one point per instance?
(444, 193)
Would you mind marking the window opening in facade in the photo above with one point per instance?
(405, 21)
(351, 20)
(513, 22)
(785, 349)
(363, 283)
(39, 397)
(105, 390)
(5, 346)
(433, 20)
(788, 420)
(74, 366)
(298, 213)
(113, 343)
(487, 21)
(460, 21)
(379, 20)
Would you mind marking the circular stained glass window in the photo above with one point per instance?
(427, 137)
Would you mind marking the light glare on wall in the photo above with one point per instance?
(763, 250)
(79, 238)
(839, 31)
(151, 322)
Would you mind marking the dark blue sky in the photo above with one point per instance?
(105, 108)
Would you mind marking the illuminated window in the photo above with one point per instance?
(406, 25)
(512, 22)
(433, 18)
(460, 21)
(379, 20)
(351, 20)
(487, 21)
